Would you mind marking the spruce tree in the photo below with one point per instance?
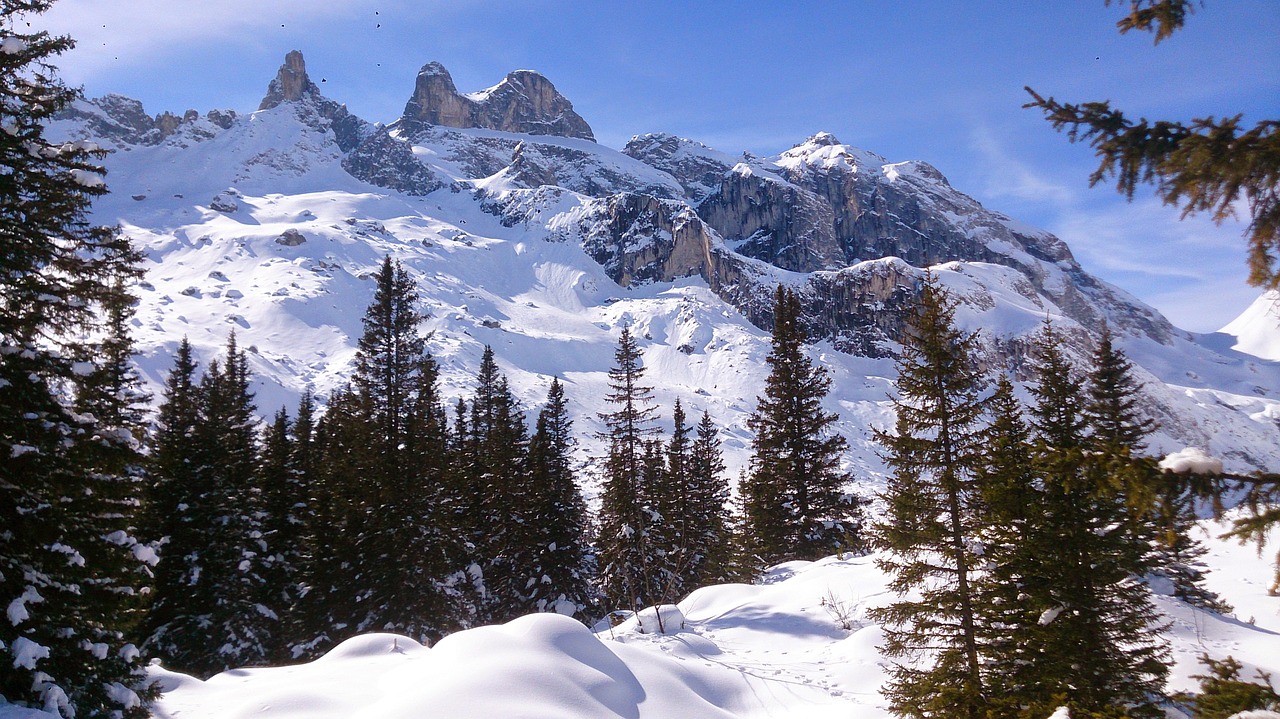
(1160, 514)
(1012, 552)
(285, 528)
(326, 609)
(676, 543)
(391, 572)
(499, 519)
(935, 512)
(626, 576)
(208, 615)
(169, 518)
(794, 498)
(1097, 640)
(558, 516)
(712, 560)
(67, 561)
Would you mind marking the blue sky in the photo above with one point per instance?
(908, 79)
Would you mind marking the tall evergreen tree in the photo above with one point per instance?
(1097, 640)
(208, 615)
(934, 518)
(1007, 596)
(713, 558)
(1160, 514)
(285, 530)
(67, 562)
(674, 541)
(327, 607)
(557, 519)
(392, 571)
(623, 551)
(794, 497)
(499, 519)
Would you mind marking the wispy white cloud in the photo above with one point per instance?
(1191, 269)
(140, 30)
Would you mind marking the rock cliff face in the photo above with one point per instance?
(386, 162)
(290, 84)
(524, 102)
(123, 121)
(822, 206)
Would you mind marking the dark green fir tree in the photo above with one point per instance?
(714, 554)
(626, 572)
(1097, 639)
(794, 498)
(558, 521)
(394, 566)
(70, 562)
(935, 514)
(499, 483)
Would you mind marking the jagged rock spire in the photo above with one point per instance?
(524, 102)
(290, 84)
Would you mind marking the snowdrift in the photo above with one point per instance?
(798, 644)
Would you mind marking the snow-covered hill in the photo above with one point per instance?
(798, 645)
(270, 224)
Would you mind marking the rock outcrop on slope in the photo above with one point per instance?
(524, 102)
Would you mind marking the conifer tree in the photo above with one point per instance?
(66, 561)
(1097, 639)
(623, 552)
(1160, 514)
(327, 606)
(713, 558)
(169, 520)
(558, 516)
(499, 519)
(675, 543)
(1012, 551)
(794, 497)
(392, 572)
(208, 615)
(285, 530)
(935, 514)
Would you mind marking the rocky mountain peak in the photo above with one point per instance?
(524, 102)
(821, 139)
(290, 84)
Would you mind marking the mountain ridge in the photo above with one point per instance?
(665, 234)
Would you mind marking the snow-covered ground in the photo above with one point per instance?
(797, 645)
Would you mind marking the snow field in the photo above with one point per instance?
(796, 645)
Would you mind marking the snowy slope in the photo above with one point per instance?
(1257, 329)
(798, 645)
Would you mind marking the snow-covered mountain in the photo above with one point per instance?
(526, 235)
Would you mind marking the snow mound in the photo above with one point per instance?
(799, 644)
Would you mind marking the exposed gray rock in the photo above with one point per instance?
(291, 238)
(387, 162)
(524, 102)
(772, 220)
(224, 202)
(537, 161)
(292, 85)
(697, 167)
